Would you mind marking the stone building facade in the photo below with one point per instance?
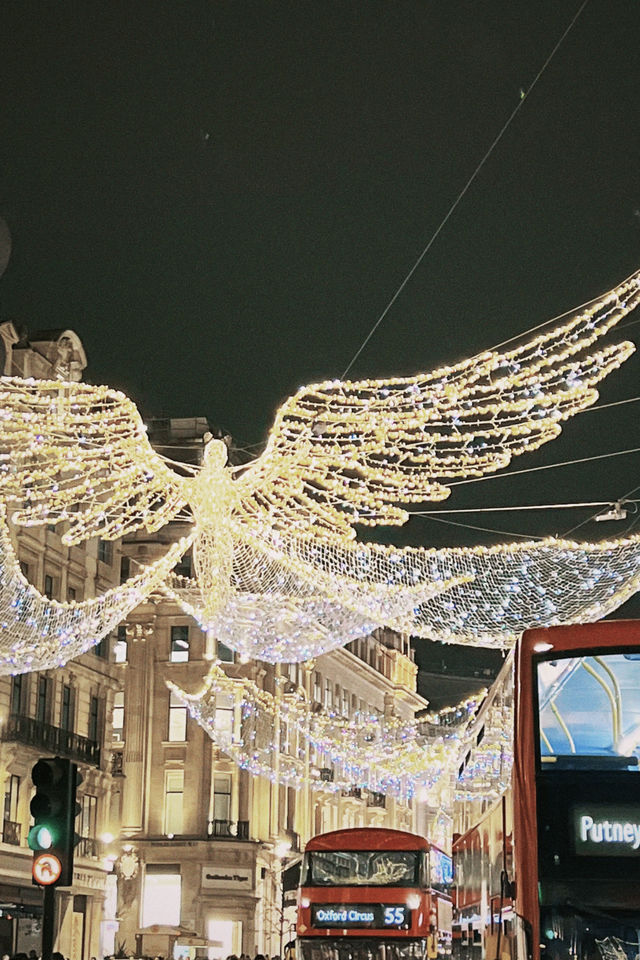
(66, 712)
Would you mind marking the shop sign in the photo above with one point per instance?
(227, 878)
(607, 831)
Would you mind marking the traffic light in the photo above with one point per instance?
(54, 810)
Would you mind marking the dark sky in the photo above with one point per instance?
(222, 197)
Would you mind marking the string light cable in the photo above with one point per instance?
(464, 190)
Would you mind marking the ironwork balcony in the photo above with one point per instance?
(11, 832)
(90, 848)
(354, 792)
(376, 800)
(228, 830)
(54, 740)
(117, 769)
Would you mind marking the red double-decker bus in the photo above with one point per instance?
(551, 869)
(369, 893)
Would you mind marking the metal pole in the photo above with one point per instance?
(48, 917)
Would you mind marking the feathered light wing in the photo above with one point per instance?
(79, 453)
(342, 453)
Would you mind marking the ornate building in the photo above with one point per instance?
(65, 712)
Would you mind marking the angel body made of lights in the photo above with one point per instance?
(279, 574)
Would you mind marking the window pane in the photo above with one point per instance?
(179, 652)
(161, 899)
(177, 718)
(581, 723)
(173, 797)
(224, 653)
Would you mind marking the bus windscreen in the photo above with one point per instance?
(363, 868)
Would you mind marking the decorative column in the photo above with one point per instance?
(137, 720)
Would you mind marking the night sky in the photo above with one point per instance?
(221, 198)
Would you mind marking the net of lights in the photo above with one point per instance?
(278, 572)
(486, 755)
(282, 738)
(37, 633)
(481, 596)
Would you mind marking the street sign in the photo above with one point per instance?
(46, 869)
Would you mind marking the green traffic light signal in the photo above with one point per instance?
(54, 809)
(40, 837)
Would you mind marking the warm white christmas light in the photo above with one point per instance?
(283, 738)
(278, 572)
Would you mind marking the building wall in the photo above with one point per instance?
(35, 707)
(191, 819)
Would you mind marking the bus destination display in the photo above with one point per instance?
(393, 916)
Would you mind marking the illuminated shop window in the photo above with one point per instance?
(161, 895)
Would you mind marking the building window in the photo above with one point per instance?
(179, 644)
(48, 586)
(222, 796)
(345, 703)
(42, 705)
(317, 688)
(120, 646)
(88, 815)
(183, 567)
(328, 700)
(118, 716)
(161, 895)
(224, 717)
(66, 716)
(101, 648)
(177, 718)
(173, 797)
(105, 551)
(17, 691)
(125, 568)
(71, 594)
(94, 719)
(11, 797)
(24, 569)
(225, 654)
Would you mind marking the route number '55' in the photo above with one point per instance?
(393, 916)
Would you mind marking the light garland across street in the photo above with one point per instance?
(282, 737)
(37, 633)
(279, 574)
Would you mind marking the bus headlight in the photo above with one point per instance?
(413, 901)
(305, 902)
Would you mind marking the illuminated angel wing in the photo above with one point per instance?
(342, 453)
(80, 454)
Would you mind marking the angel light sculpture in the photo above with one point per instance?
(279, 573)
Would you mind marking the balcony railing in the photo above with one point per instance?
(376, 800)
(11, 832)
(89, 848)
(117, 769)
(228, 830)
(55, 740)
(354, 792)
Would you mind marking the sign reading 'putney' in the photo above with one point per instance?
(606, 831)
(377, 915)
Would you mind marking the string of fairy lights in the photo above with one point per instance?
(279, 574)
(282, 737)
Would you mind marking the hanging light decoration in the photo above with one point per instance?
(282, 738)
(278, 572)
(37, 633)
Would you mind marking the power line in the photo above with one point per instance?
(462, 193)
(549, 466)
(539, 506)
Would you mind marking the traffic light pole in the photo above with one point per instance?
(48, 918)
